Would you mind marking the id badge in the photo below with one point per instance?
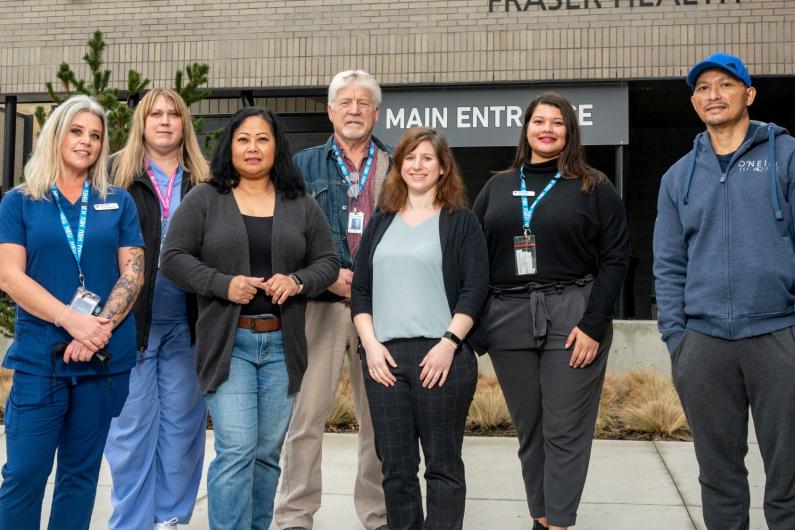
(524, 251)
(84, 301)
(355, 222)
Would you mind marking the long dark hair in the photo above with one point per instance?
(450, 190)
(571, 162)
(284, 174)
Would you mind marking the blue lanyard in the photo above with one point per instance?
(76, 246)
(344, 170)
(528, 211)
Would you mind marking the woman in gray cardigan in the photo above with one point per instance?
(252, 245)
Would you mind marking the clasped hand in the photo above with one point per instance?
(89, 334)
(243, 289)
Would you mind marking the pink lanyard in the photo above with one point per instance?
(165, 203)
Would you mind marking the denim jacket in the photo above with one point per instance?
(327, 185)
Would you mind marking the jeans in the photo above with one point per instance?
(251, 411)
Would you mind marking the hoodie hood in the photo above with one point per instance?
(760, 133)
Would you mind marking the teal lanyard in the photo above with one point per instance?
(527, 209)
(354, 191)
(76, 244)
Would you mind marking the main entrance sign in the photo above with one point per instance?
(483, 117)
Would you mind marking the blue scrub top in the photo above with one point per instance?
(36, 225)
(168, 304)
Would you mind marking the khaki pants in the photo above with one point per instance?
(330, 336)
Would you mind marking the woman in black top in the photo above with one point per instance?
(557, 240)
(252, 245)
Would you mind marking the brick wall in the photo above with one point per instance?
(288, 43)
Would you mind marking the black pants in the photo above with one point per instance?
(407, 412)
(553, 406)
(717, 381)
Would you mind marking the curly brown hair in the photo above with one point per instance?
(450, 190)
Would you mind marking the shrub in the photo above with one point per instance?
(341, 417)
(488, 411)
(5, 387)
(652, 407)
(638, 405)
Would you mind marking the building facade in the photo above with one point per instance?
(621, 62)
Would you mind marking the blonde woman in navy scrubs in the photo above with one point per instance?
(70, 248)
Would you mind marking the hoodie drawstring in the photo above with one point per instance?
(692, 167)
(773, 171)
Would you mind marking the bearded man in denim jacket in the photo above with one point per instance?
(345, 176)
(724, 261)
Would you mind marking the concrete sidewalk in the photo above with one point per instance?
(631, 485)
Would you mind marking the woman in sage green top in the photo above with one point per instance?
(420, 279)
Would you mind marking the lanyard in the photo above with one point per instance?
(354, 191)
(76, 246)
(165, 203)
(528, 211)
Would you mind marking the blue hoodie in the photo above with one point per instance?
(724, 244)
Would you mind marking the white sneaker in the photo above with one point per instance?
(171, 524)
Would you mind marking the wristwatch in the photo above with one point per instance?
(452, 337)
(297, 281)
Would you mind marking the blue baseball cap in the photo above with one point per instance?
(729, 63)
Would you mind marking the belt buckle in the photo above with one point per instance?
(252, 325)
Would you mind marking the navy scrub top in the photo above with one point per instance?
(36, 225)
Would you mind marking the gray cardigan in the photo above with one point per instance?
(207, 246)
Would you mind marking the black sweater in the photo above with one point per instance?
(464, 262)
(149, 214)
(576, 234)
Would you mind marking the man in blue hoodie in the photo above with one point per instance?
(724, 262)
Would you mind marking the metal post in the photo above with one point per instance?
(620, 308)
(620, 171)
(9, 142)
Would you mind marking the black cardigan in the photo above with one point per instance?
(149, 214)
(465, 264)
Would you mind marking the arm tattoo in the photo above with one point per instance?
(124, 293)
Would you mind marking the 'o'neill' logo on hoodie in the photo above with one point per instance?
(753, 165)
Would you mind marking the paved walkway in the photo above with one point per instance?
(631, 486)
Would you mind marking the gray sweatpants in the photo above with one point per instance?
(553, 406)
(717, 380)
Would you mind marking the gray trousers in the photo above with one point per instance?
(717, 381)
(552, 405)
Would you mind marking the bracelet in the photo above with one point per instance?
(452, 337)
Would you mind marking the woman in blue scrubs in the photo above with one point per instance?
(71, 257)
(155, 447)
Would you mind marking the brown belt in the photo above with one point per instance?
(259, 325)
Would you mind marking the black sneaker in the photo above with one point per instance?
(539, 526)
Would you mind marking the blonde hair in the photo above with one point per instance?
(131, 160)
(45, 162)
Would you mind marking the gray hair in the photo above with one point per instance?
(45, 163)
(348, 77)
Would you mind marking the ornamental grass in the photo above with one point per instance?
(637, 405)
